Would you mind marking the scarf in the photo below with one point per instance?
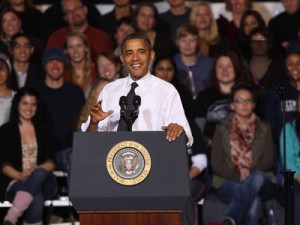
(241, 138)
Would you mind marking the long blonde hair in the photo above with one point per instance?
(87, 67)
(213, 30)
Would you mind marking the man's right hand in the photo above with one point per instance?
(97, 114)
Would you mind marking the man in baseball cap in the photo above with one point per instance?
(63, 102)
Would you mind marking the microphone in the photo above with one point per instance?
(123, 105)
(136, 104)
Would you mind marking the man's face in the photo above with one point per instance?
(54, 69)
(122, 32)
(188, 45)
(175, 3)
(22, 50)
(291, 6)
(136, 57)
(121, 3)
(75, 13)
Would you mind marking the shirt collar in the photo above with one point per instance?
(142, 82)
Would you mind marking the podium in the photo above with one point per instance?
(105, 190)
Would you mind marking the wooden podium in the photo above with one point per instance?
(101, 197)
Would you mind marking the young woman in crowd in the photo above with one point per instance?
(108, 69)
(146, 17)
(80, 70)
(11, 24)
(27, 159)
(210, 41)
(291, 148)
(242, 153)
(213, 104)
(6, 93)
(230, 21)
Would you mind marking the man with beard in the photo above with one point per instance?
(75, 14)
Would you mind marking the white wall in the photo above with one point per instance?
(267, 9)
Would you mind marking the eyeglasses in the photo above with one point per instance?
(259, 41)
(244, 101)
(76, 9)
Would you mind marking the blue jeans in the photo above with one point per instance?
(63, 159)
(41, 184)
(245, 198)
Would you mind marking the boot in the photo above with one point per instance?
(21, 202)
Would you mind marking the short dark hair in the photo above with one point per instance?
(136, 35)
(16, 36)
(14, 113)
(244, 86)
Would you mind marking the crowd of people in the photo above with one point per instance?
(234, 75)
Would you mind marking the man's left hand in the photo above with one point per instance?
(173, 130)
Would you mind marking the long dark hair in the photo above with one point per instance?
(14, 112)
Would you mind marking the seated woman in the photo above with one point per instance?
(242, 153)
(27, 159)
(108, 69)
(210, 41)
(292, 129)
(6, 93)
(79, 70)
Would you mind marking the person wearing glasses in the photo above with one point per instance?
(75, 14)
(242, 152)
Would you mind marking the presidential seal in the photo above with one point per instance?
(128, 163)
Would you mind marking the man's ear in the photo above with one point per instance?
(122, 59)
(152, 55)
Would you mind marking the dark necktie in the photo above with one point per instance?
(124, 123)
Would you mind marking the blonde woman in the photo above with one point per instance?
(80, 70)
(210, 41)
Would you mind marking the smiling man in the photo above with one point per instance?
(161, 107)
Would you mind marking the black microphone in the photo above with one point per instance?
(136, 104)
(123, 105)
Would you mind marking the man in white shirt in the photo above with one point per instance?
(161, 107)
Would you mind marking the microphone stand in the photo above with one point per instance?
(287, 174)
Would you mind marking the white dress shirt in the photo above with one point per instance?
(160, 105)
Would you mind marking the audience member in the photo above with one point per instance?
(79, 70)
(193, 67)
(76, 16)
(213, 104)
(6, 92)
(242, 152)
(274, 97)
(291, 148)
(164, 67)
(27, 160)
(177, 15)
(53, 18)
(24, 72)
(146, 17)
(11, 24)
(108, 68)
(30, 16)
(286, 25)
(210, 41)
(122, 8)
(63, 102)
(230, 21)
(266, 70)
(124, 27)
(250, 20)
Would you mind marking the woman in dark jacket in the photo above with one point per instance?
(27, 159)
